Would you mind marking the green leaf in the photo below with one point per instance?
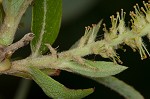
(54, 89)
(45, 23)
(12, 7)
(94, 68)
(127, 91)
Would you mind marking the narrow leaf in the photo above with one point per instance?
(93, 32)
(54, 89)
(95, 68)
(45, 23)
(127, 91)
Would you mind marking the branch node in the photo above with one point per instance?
(52, 50)
(7, 52)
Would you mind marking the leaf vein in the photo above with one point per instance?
(42, 30)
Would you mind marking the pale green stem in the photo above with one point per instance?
(40, 62)
(7, 30)
(10, 25)
(119, 86)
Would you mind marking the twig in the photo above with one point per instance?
(52, 50)
(8, 51)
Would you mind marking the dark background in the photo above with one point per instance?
(137, 75)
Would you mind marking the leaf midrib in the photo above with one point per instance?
(42, 30)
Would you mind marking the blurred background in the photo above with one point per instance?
(76, 15)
